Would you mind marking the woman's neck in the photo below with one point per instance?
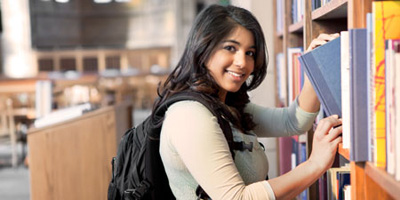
(222, 96)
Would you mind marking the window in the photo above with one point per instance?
(46, 65)
(67, 64)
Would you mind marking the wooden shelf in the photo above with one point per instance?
(344, 152)
(332, 10)
(383, 179)
(296, 27)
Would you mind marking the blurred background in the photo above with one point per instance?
(63, 58)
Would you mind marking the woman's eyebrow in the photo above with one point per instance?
(238, 43)
(232, 41)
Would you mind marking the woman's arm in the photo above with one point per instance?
(280, 122)
(326, 140)
(308, 99)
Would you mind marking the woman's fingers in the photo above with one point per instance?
(325, 125)
(334, 133)
(321, 40)
(328, 37)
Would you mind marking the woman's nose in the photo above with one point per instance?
(240, 59)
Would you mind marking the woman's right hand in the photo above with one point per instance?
(325, 142)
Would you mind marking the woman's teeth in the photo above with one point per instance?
(235, 74)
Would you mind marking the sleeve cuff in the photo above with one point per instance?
(271, 194)
(303, 118)
(301, 111)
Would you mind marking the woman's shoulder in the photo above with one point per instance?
(188, 108)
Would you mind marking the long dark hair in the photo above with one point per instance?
(211, 26)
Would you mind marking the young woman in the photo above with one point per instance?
(224, 58)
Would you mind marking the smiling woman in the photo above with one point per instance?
(224, 58)
(232, 62)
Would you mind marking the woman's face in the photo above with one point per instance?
(232, 61)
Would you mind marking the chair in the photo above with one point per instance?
(7, 128)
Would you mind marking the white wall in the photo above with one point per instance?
(264, 94)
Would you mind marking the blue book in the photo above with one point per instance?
(358, 95)
(343, 178)
(322, 66)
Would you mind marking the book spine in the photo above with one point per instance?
(358, 91)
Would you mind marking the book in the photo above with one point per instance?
(322, 187)
(345, 87)
(390, 79)
(397, 111)
(347, 192)
(322, 66)
(285, 153)
(295, 152)
(358, 95)
(281, 79)
(302, 158)
(332, 181)
(370, 106)
(343, 179)
(385, 17)
(293, 72)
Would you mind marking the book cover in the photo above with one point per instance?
(322, 66)
(385, 22)
(358, 95)
(345, 86)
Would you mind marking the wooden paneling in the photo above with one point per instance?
(357, 12)
(357, 178)
(72, 160)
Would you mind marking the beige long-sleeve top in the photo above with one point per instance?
(194, 150)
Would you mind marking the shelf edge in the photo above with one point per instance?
(383, 179)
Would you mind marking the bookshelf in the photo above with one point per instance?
(367, 180)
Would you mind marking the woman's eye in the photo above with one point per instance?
(230, 48)
(251, 53)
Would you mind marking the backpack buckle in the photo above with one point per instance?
(139, 192)
(243, 146)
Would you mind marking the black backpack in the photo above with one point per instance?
(138, 171)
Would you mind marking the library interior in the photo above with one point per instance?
(76, 74)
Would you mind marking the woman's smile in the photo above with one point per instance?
(237, 76)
